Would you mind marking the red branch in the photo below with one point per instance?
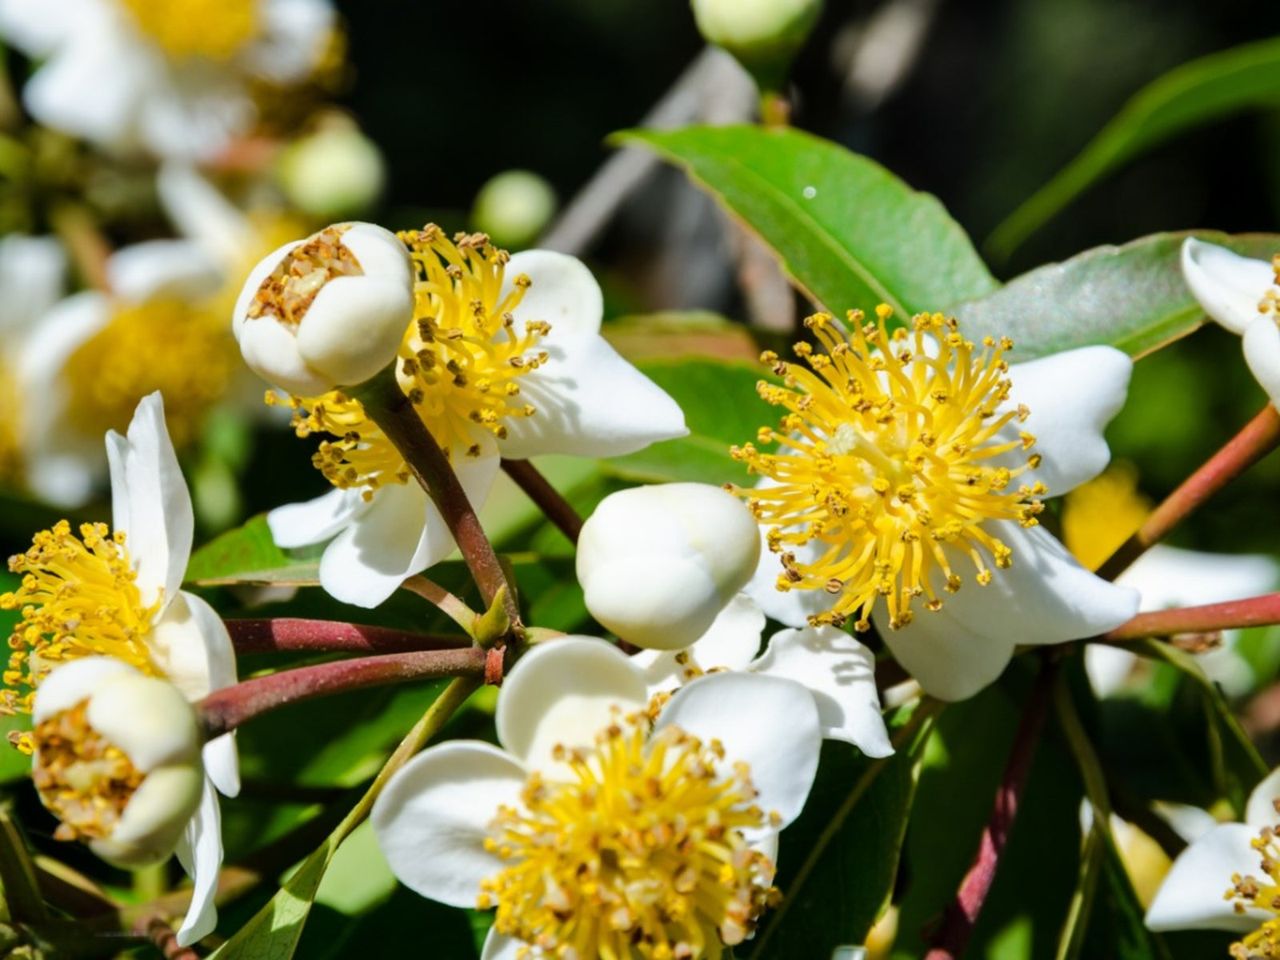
(1234, 614)
(226, 709)
(962, 914)
(326, 636)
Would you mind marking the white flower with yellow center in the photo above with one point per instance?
(172, 77)
(663, 568)
(603, 828)
(1229, 879)
(95, 354)
(118, 593)
(503, 358)
(907, 485)
(1243, 295)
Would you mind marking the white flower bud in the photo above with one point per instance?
(329, 311)
(116, 759)
(757, 31)
(657, 564)
(513, 208)
(333, 172)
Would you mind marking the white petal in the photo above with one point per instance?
(32, 274)
(498, 947)
(74, 681)
(564, 691)
(730, 644)
(590, 402)
(1262, 353)
(1188, 822)
(161, 523)
(1172, 577)
(271, 351)
(1227, 285)
(790, 607)
(117, 467)
(1072, 397)
(1191, 895)
(432, 818)
(769, 723)
(178, 269)
(562, 292)
(840, 673)
(354, 326)
(200, 853)
(148, 719)
(1107, 667)
(379, 252)
(294, 36)
(1261, 808)
(153, 821)
(314, 521)
(193, 111)
(201, 213)
(38, 27)
(947, 658)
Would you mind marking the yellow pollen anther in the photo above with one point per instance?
(1260, 894)
(78, 598)
(211, 29)
(891, 463)
(639, 854)
(289, 290)
(1269, 305)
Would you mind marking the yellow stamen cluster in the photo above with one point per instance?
(1098, 516)
(83, 779)
(1261, 894)
(78, 598)
(184, 350)
(639, 854)
(211, 29)
(891, 459)
(289, 290)
(10, 427)
(1269, 305)
(362, 457)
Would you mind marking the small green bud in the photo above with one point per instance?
(514, 208)
(762, 34)
(333, 173)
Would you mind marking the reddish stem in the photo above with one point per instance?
(1258, 438)
(226, 709)
(1234, 614)
(962, 914)
(325, 636)
(548, 498)
(158, 931)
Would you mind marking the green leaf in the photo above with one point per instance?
(721, 408)
(848, 232)
(1195, 93)
(248, 554)
(1131, 297)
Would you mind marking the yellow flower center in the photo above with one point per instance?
(212, 29)
(460, 364)
(1097, 517)
(1262, 894)
(184, 350)
(293, 285)
(640, 854)
(1269, 305)
(82, 778)
(79, 597)
(888, 460)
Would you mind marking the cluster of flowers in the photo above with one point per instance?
(634, 806)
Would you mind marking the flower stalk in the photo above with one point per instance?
(1232, 615)
(292, 634)
(1259, 437)
(548, 499)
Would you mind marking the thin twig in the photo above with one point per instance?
(290, 634)
(451, 606)
(1259, 437)
(962, 914)
(158, 931)
(1232, 615)
(557, 509)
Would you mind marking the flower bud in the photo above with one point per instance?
(333, 172)
(116, 759)
(657, 564)
(513, 208)
(329, 311)
(759, 33)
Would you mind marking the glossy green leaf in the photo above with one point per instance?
(1195, 93)
(848, 232)
(248, 554)
(1131, 297)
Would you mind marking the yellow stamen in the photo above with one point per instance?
(212, 29)
(1269, 305)
(83, 779)
(1097, 517)
(292, 286)
(890, 459)
(1261, 894)
(79, 597)
(640, 854)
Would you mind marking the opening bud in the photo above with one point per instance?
(657, 564)
(116, 757)
(328, 311)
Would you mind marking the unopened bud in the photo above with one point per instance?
(514, 208)
(657, 564)
(329, 311)
(116, 759)
(334, 172)
(762, 34)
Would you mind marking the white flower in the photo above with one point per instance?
(728, 763)
(127, 603)
(527, 374)
(903, 480)
(1240, 859)
(168, 76)
(663, 566)
(95, 354)
(1171, 577)
(116, 756)
(327, 311)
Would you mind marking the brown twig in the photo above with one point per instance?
(952, 936)
(158, 931)
(548, 498)
(1258, 438)
(226, 709)
(290, 634)
(1231, 615)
